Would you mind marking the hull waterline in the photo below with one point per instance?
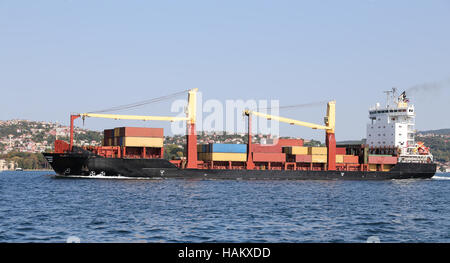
(88, 165)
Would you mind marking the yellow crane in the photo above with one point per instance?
(190, 120)
(329, 127)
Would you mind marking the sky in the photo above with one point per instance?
(59, 57)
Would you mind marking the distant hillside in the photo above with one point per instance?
(35, 136)
(437, 132)
(439, 144)
(18, 137)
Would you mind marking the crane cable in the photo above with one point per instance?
(295, 106)
(140, 103)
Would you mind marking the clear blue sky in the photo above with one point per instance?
(58, 57)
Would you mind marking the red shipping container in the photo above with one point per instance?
(341, 151)
(300, 158)
(351, 159)
(263, 148)
(276, 148)
(269, 157)
(141, 132)
(382, 159)
(290, 142)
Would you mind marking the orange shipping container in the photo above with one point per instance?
(269, 157)
(295, 150)
(317, 150)
(341, 150)
(319, 158)
(263, 148)
(290, 142)
(382, 159)
(141, 132)
(236, 157)
(142, 142)
(300, 158)
(276, 148)
(351, 159)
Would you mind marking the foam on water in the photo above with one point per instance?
(100, 176)
(439, 177)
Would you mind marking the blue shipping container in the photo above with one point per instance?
(227, 148)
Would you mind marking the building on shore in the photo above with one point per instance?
(7, 165)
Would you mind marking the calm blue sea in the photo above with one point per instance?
(37, 207)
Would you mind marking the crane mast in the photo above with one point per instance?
(191, 136)
(329, 127)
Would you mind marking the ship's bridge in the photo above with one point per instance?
(377, 112)
(393, 124)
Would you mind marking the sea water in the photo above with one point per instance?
(38, 207)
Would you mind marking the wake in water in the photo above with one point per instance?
(440, 177)
(102, 176)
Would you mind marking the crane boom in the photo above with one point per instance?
(287, 120)
(329, 119)
(191, 136)
(133, 117)
(190, 115)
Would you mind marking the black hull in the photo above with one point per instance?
(88, 165)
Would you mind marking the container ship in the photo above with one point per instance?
(389, 152)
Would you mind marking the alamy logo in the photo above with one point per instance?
(214, 116)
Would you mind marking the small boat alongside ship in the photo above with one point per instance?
(390, 150)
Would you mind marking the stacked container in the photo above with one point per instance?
(351, 159)
(379, 162)
(139, 137)
(274, 153)
(222, 152)
(306, 154)
(108, 137)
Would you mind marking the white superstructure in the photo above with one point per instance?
(393, 125)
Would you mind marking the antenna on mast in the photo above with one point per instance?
(387, 97)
